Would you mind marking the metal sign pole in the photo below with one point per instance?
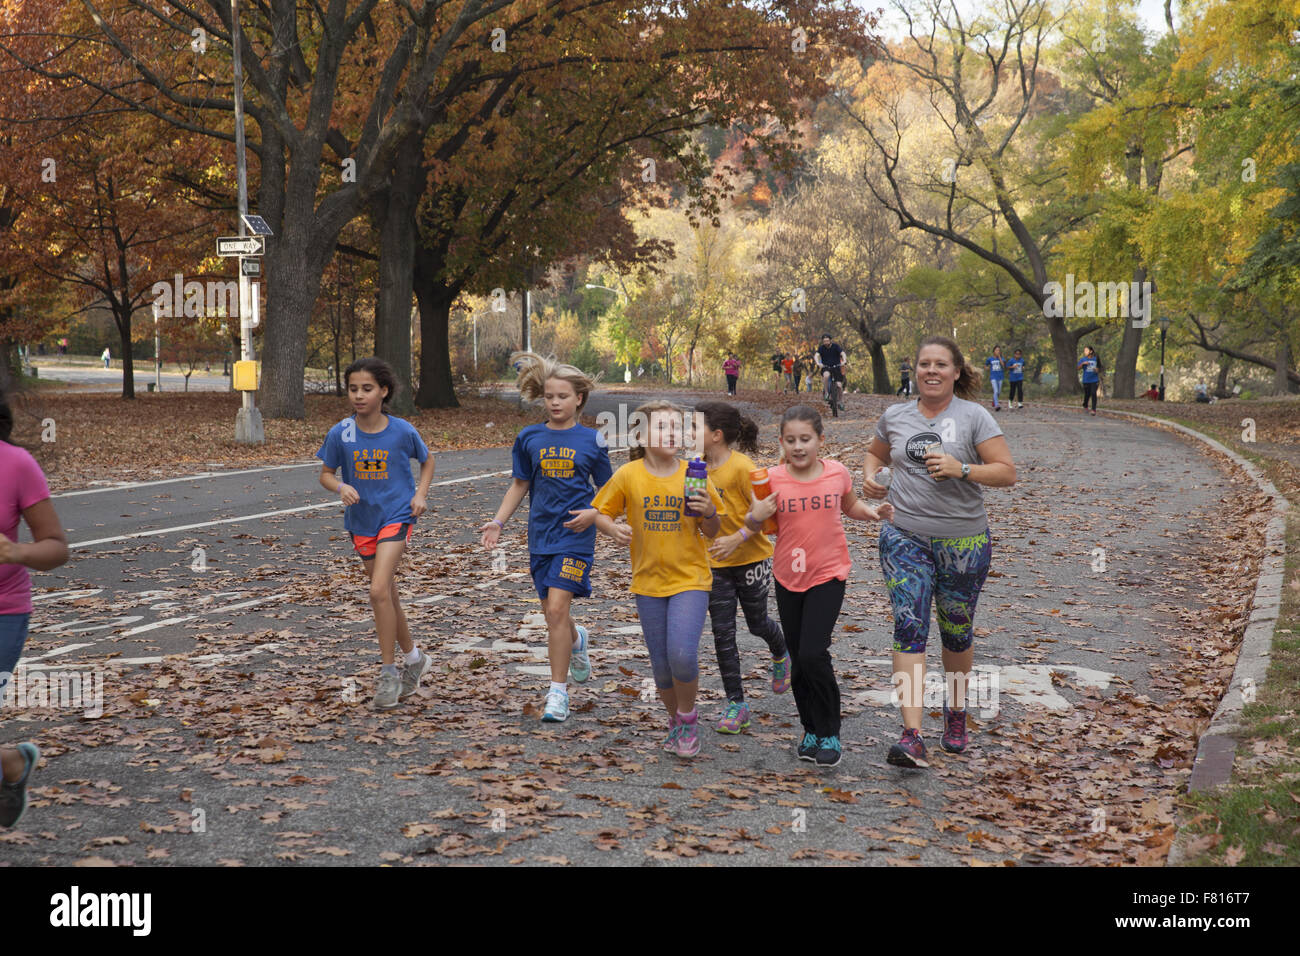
(248, 421)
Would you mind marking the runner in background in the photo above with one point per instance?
(1016, 378)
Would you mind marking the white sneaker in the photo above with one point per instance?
(557, 707)
(580, 658)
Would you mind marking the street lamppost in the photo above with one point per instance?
(627, 369)
(1164, 330)
(157, 352)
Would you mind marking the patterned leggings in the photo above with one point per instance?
(748, 585)
(917, 568)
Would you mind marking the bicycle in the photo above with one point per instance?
(834, 394)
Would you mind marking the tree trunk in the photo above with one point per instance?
(394, 219)
(1065, 346)
(289, 303)
(1281, 381)
(436, 387)
(1221, 387)
(128, 366)
(1129, 346)
(879, 370)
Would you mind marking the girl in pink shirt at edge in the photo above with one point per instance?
(811, 565)
(23, 493)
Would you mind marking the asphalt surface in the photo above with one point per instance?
(227, 622)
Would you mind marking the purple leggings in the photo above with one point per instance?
(671, 627)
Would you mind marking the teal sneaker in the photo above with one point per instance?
(828, 752)
(735, 719)
(13, 794)
(557, 708)
(808, 747)
(579, 659)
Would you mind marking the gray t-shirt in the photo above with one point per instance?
(950, 508)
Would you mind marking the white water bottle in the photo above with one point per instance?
(883, 477)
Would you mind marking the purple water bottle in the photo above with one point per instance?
(697, 479)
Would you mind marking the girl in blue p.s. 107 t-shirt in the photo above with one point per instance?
(559, 464)
(1091, 366)
(996, 368)
(382, 502)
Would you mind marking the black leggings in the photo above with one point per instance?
(731, 385)
(1090, 392)
(746, 584)
(808, 618)
(1017, 388)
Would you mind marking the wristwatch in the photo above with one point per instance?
(965, 472)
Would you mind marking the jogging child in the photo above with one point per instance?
(1016, 379)
(381, 502)
(997, 368)
(1091, 366)
(741, 561)
(559, 464)
(811, 565)
(671, 577)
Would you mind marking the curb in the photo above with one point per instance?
(1216, 749)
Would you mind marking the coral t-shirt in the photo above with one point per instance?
(810, 545)
(24, 486)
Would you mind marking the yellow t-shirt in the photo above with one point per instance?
(669, 554)
(736, 490)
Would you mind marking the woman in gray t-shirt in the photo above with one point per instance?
(943, 447)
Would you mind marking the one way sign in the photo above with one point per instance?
(241, 245)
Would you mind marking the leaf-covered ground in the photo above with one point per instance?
(276, 746)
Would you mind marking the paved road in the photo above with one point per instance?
(234, 645)
(96, 378)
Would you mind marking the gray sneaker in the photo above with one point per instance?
(386, 691)
(411, 674)
(13, 795)
(580, 658)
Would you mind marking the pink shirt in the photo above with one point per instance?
(23, 486)
(810, 545)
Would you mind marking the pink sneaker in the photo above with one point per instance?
(688, 738)
(781, 675)
(670, 742)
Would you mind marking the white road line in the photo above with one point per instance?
(332, 503)
(129, 485)
(69, 648)
(203, 660)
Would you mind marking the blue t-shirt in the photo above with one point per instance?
(378, 466)
(564, 467)
(1089, 366)
(1016, 370)
(995, 366)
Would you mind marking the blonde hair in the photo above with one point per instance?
(534, 371)
(635, 452)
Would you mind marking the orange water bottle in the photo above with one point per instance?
(762, 488)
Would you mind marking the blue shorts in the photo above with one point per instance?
(568, 572)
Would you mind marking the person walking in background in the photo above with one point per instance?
(1091, 366)
(787, 371)
(905, 371)
(996, 368)
(731, 368)
(937, 546)
(23, 495)
(797, 369)
(1016, 378)
(106, 357)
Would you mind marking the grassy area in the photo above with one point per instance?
(1254, 820)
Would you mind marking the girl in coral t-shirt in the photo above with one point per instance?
(811, 565)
